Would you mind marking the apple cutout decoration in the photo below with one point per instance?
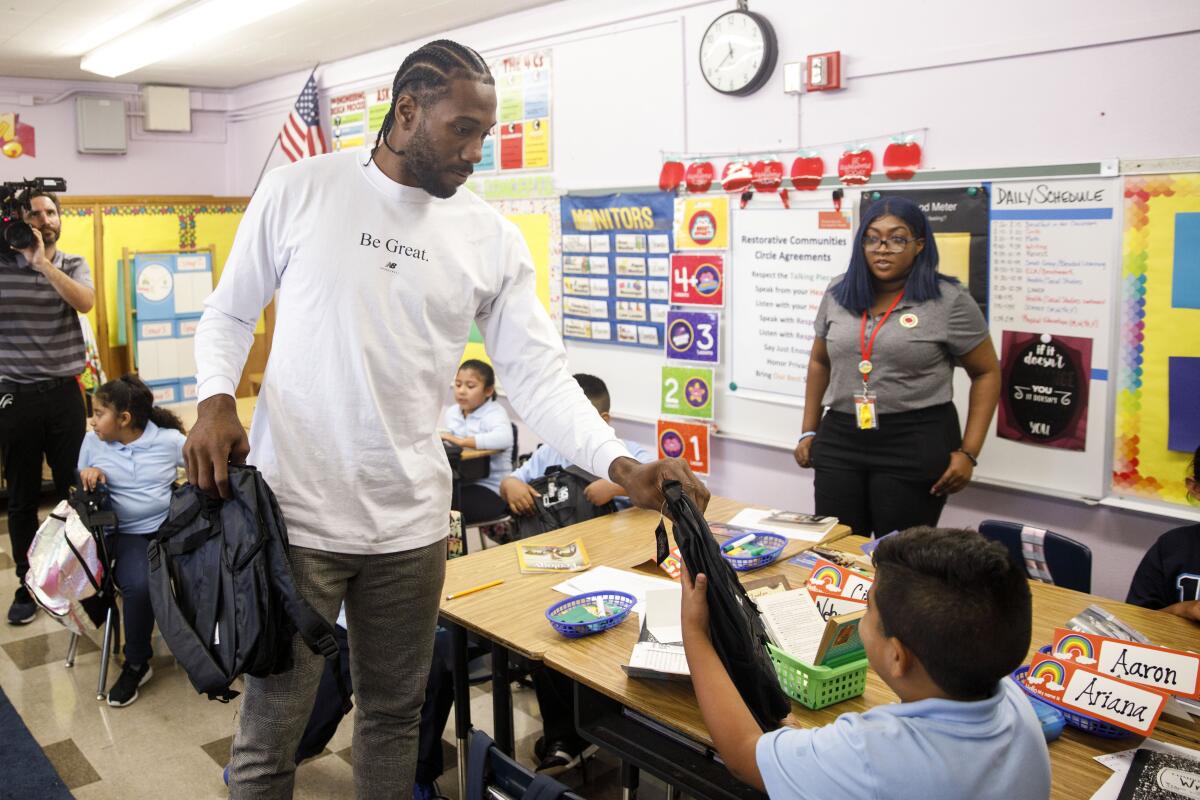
(767, 175)
(855, 167)
(736, 177)
(901, 159)
(699, 176)
(807, 171)
(671, 176)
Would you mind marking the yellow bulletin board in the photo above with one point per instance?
(101, 228)
(1157, 428)
(539, 224)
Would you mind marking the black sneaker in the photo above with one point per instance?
(559, 757)
(125, 691)
(23, 610)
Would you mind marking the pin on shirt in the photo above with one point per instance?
(908, 320)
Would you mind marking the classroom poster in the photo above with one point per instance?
(348, 120)
(782, 262)
(693, 336)
(616, 267)
(1158, 351)
(379, 105)
(1044, 383)
(959, 218)
(686, 440)
(523, 114)
(687, 392)
(702, 223)
(698, 280)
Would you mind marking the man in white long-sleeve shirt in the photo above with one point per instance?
(380, 268)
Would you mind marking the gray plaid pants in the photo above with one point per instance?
(391, 609)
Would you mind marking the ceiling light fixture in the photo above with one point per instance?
(114, 26)
(177, 33)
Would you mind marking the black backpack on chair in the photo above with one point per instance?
(560, 502)
(222, 590)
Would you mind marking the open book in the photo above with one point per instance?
(797, 627)
(658, 652)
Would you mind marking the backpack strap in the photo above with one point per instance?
(316, 632)
(202, 670)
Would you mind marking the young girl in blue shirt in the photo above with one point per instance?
(476, 421)
(134, 449)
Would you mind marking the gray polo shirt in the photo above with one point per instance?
(914, 352)
(40, 337)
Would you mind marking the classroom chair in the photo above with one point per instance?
(492, 775)
(1045, 555)
(483, 539)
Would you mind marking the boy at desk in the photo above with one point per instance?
(519, 496)
(948, 618)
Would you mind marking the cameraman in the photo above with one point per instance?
(42, 293)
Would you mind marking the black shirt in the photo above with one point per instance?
(1170, 570)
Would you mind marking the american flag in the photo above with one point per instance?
(301, 135)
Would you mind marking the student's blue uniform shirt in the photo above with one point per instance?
(934, 749)
(546, 457)
(139, 474)
(492, 429)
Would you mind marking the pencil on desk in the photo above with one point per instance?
(474, 589)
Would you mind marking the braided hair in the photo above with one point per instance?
(129, 393)
(426, 76)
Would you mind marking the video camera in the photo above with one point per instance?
(15, 233)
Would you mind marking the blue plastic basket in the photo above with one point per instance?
(746, 563)
(619, 602)
(1083, 722)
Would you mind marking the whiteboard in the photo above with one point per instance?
(774, 420)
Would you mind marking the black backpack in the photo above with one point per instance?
(560, 502)
(222, 590)
(736, 629)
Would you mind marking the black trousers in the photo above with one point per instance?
(44, 420)
(556, 700)
(878, 481)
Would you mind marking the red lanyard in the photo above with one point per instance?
(867, 346)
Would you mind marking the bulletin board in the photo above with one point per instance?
(1158, 375)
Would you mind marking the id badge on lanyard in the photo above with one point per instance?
(865, 414)
(864, 409)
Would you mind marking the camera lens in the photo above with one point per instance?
(18, 235)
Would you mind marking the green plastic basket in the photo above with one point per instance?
(817, 687)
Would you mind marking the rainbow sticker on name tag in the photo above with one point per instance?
(1172, 671)
(1126, 705)
(830, 578)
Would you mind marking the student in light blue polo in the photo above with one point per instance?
(134, 449)
(519, 495)
(476, 421)
(948, 618)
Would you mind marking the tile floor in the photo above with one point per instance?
(174, 743)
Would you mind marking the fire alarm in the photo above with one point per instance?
(823, 71)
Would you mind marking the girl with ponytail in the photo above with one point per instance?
(134, 449)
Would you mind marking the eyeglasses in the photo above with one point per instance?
(893, 244)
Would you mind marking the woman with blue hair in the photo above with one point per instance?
(888, 449)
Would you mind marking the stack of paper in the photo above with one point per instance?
(788, 524)
(794, 623)
(658, 652)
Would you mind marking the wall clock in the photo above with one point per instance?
(738, 52)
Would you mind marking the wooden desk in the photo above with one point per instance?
(513, 615)
(595, 663)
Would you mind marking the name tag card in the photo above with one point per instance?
(1172, 671)
(834, 579)
(834, 605)
(1126, 705)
